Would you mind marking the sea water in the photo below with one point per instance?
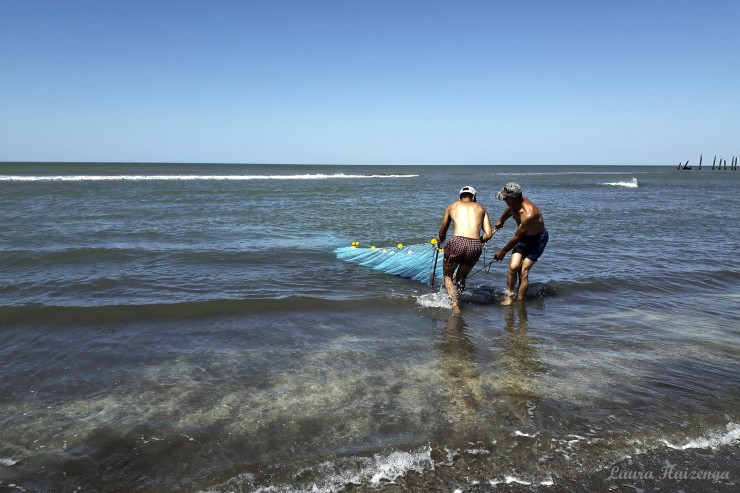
(189, 328)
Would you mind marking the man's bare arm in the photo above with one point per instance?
(518, 234)
(446, 221)
(521, 232)
(487, 231)
(506, 215)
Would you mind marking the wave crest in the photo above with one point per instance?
(314, 176)
(627, 184)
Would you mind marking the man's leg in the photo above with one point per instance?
(462, 274)
(515, 265)
(524, 278)
(448, 271)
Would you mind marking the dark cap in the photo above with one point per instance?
(511, 189)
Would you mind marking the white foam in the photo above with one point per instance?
(399, 463)
(729, 437)
(7, 461)
(547, 481)
(316, 176)
(336, 477)
(438, 299)
(509, 479)
(627, 184)
(478, 451)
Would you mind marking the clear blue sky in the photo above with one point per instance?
(370, 81)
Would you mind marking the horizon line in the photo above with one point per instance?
(301, 164)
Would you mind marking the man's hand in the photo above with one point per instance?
(499, 255)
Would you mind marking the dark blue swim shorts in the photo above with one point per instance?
(533, 246)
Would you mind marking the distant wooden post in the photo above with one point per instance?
(713, 162)
(701, 156)
(725, 160)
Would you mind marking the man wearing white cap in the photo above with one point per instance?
(528, 242)
(464, 248)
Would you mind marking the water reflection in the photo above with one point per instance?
(458, 362)
(496, 383)
(515, 370)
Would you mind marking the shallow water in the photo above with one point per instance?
(190, 327)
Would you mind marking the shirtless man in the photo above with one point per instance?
(528, 242)
(464, 248)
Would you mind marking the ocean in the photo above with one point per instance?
(189, 327)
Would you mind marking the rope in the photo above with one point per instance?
(486, 266)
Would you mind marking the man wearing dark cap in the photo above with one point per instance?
(528, 242)
(464, 248)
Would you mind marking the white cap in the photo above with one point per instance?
(467, 189)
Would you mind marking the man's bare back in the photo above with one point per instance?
(469, 218)
(528, 217)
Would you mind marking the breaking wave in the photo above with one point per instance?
(627, 184)
(315, 176)
(730, 436)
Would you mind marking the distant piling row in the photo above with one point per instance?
(722, 165)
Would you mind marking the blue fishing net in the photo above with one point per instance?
(413, 261)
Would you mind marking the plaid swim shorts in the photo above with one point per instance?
(462, 250)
